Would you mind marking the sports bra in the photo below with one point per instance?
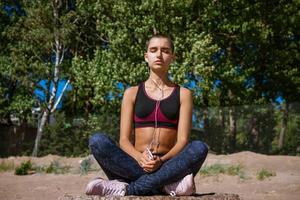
(149, 112)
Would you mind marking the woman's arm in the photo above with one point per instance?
(126, 145)
(126, 123)
(184, 124)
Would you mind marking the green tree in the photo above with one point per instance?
(40, 41)
(230, 53)
(15, 88)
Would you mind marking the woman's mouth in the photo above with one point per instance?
(158, 62)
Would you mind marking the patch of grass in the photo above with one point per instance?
(263, 174)
(24, 168)
(54, 168)
(85, 165)
(6, 166)
(236, 170)
(215, 169)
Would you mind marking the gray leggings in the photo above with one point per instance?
(119, 165)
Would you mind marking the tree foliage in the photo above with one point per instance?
(235, 55)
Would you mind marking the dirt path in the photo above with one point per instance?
(284, 185)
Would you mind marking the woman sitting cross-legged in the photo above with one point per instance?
(160, 159)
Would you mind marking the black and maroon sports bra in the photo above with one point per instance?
(149, 112)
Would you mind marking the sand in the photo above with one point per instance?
(284, 184)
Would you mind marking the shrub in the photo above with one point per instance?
(56, 168)
(85, 165)
(6, 166)
(263, 174)
(24, 168)
(215, 169)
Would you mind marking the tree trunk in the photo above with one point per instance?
(284, 121)
(205, 111)
(41, 126)
(253, 134)
(221, 121)
(232, 128)
(205, 118)
(44, 118)
(232, 122)
(46, 114)
(59, 56)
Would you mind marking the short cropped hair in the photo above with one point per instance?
(159, 35)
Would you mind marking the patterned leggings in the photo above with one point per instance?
(117, 164)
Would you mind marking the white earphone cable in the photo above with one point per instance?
(156, 141)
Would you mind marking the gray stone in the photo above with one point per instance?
(208, 196)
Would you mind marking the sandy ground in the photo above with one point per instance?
(284, 185)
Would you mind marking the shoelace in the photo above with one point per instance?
(172, 193)
(113, 189)
(180, 187)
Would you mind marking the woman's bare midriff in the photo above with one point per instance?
(167, 139)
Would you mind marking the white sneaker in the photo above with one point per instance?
(183, 187)
(103, 187)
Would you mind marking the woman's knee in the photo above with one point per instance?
(98, 140)
(199, 150)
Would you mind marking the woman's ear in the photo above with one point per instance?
(146, 57)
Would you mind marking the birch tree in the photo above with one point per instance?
(59, 47)
(41, 38)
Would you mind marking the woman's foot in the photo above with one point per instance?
(103, 187)
(183, 187)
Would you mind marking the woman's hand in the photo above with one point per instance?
(149, 165)
(153, 165)
(144, 159)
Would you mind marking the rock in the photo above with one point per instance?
(209, 196)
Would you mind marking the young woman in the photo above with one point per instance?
(154, 155)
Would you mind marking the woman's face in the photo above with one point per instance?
(159, 54)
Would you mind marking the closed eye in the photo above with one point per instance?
(164, 50)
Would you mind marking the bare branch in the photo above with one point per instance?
(60, 96)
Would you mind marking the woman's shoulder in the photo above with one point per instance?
(130, 92)
(184, 90)
(132, 89)
(185, 93)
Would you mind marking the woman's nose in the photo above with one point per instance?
(159, 53)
